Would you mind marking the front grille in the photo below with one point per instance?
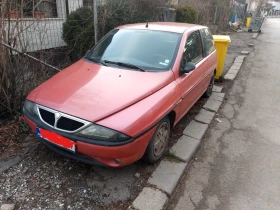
(47, 116)
(61, 121)
(68, 124)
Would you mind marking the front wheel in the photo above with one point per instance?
(158, 143)
(209, 90)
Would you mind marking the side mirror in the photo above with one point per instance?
(188, 68)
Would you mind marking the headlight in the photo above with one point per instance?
(31, 108)
(101, 133)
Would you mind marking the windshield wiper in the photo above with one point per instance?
(128, 65)
(96, 61)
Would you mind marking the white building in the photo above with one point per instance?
(252, 5)
(275, 4)
(32, 32)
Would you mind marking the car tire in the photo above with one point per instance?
(209, 90)
(158, 143)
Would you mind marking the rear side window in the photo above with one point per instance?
(193, 48)
(208, 41)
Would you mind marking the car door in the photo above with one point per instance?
(210, 57)
(192, 83)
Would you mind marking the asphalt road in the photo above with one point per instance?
(238, 165)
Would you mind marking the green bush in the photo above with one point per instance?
(78, 31)
(121, 16)
(186, 14)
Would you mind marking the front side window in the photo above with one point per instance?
(146, 49)
(193, 49)
(208, 41)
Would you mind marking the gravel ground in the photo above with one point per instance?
(46, 180)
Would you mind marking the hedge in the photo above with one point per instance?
(186, 14)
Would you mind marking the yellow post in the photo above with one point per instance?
(248, 21)
(221, 44)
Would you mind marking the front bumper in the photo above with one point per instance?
(110, 155)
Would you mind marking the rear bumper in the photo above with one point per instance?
(113, 156)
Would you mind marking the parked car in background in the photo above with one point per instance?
(119, 103)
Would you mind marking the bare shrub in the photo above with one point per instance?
(211, 12)
(19, 74)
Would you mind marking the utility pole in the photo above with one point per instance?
(95, 21)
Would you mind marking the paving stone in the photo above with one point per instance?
(217, 96)
(217, 89)
(238, 62)
(245, 52)
(7, 164)
(237, 65)
(255, 35)
(233, 71)
(167, 175)
(212, 105)
(221, 95)
(241, 57)
(150, 199)
(185, 147)
(205, 116)
(230, 76)
(7, 207)
(195, 130)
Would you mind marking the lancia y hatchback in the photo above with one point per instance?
(119, 102)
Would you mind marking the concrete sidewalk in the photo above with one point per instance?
(237, 166)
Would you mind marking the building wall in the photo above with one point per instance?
(252, 5)
(276, 4)
(40, 34)
(37, 35)
(74, 4)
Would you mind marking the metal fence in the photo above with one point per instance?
(274, 14)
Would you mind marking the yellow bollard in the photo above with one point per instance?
(248, 22)
(221, 44)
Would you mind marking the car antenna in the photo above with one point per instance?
(147, 25)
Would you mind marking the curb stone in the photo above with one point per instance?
(150, 199)
(195, 130)
(205, 116)
(217, 89)
(212, 105)
(236, 66)
(185, 148)
(167, 175)
(217, 96)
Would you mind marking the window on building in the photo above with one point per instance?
(33, 8)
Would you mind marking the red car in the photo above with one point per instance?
(118, 103)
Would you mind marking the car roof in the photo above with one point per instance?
(164, 26)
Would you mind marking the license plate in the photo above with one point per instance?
(56, 139)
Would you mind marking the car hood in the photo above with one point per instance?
(93, 92)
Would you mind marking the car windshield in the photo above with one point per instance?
(144, 50)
